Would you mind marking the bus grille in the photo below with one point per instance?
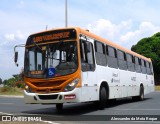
(47, 97)
(48, 87)
(48, 84)
(48, 90)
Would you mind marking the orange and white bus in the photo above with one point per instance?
(73, 65)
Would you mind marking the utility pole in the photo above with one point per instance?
(66, 15)
(46, 27)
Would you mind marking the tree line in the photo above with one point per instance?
(150, 47)
(16, 81)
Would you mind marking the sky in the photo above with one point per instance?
(124, 22)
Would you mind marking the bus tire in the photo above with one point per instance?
(102, 98)
(140, 97)
(59, 106)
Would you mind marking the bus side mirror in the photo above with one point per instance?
(16, 58)
(16, 53)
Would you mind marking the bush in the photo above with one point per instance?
(7, 89)
(20, 84)
(10, 82)
(14, 82)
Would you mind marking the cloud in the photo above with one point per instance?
(8, 41)
(103, 27)
(123, 33)
(9, 37)
(107, 29)
(17, 36)
(146, 29)
(21, 4)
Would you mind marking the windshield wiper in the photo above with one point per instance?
(37, 46)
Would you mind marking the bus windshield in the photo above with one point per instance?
(61, 57)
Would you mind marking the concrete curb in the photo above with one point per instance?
(11, 96)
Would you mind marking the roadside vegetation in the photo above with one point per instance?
(6, 90)
(157, 88)
(13, 86)
(150, 47)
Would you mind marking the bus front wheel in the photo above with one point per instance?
(102, 98)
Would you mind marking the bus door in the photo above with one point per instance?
(89, 92)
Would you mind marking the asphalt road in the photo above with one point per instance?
(86, 112)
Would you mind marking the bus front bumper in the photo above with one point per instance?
(53, 98)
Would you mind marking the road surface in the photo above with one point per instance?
(86, 112)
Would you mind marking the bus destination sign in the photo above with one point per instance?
(49, 37)
(54, 35)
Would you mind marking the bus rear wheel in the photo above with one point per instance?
(59, 106)
(141, 95)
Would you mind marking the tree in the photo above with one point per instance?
(16, 81)
(10, 82)
(4, 82)
(150, 47)
(1, 82)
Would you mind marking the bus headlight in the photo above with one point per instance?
(71, 85)
(28, 89)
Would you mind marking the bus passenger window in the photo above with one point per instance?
(130, 62)
(148, 68)
(87, 56)
(111, 57)
(100, 53)
(137, 65)
(151, 68)
(122, 60)
(143, 66)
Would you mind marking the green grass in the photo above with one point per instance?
(6, 90)
(157, 88)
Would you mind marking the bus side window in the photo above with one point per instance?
(111, 57)
(100, 53)
(151, 68)
(122, 60)
(87, 56)
(83, 56)
(130, 62)
(137, 65)
(148, 68)
(143, 66)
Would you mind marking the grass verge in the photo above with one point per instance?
(6, 90)
(157, 88)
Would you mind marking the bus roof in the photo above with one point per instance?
(98, 38)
